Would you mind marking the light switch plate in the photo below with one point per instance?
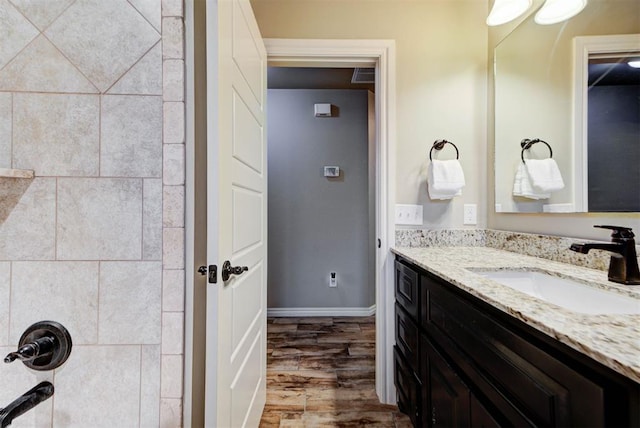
(408, 214)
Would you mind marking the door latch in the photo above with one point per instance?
(213, 273)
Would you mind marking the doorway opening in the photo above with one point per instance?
(380, 55)
(321, 210)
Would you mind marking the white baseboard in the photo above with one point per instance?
(321, 312)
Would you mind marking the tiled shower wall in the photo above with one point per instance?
(91, 99)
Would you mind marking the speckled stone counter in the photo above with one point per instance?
(613, 340)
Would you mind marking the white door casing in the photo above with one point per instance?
(235, 379)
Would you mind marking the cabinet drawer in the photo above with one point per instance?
(407, 337)
(407, 388)
(530, 386)
(406, 288)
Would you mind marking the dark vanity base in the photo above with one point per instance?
(460, 362)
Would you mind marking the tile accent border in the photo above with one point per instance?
(173, 231)
(548, 247)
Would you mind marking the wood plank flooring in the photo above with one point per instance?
(321, 373)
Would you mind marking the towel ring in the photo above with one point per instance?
(527, 143)
(439, 145)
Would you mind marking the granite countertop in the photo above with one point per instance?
(613, 340)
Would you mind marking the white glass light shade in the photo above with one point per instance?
(504, 11)
(554, 11)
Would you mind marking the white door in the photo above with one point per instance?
(235, 384)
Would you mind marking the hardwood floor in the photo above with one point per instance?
(321, 373)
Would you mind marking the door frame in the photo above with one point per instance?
(381, 55)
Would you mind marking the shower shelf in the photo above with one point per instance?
(16, 173)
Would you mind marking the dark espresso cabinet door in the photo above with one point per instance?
(446, 399)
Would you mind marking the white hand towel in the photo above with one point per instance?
(522, 185)
(544, 175)
(435, 194)
(445, 179)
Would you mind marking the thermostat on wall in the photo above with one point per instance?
(332, 171)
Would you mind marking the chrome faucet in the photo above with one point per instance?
(623, 267)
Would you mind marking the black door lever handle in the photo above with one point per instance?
(228, 270)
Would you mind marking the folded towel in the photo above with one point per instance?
(544, 175)
(522, 185)
(445, 179)
(435, 194)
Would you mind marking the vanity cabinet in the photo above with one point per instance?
(460, 362)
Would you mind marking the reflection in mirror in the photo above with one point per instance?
(607, 123)
(534, 98)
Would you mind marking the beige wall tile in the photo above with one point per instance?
(99, 219)
(170, 413)
(114, 29)
(145, 77)
(172, 8)
(172, 333)
(152, 219)
(130, 303)
(171, 384)
(41, 13)
(99, 386)
(131, 138)
(173, 206)
(173, 123)
(66, 292)
(173, 290)
(5, 130)
(150, 9)
(40, 67)
(29, 231)
(172, 38)
(56, 134)
(173, 248)
(173, 80)
(15, 32)
(173, 170)
(5, 290)
(150, 386)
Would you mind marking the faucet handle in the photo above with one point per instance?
(618, 231)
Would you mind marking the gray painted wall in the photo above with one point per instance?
(316, 224)
(614, 148)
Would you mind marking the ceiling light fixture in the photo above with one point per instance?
(504, 11)
(554, 11)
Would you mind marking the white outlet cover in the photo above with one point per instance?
(470, 214)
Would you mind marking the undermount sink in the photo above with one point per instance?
(566, 293)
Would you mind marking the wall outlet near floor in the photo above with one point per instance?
(408, 214)
(470, 214)
(333, 280)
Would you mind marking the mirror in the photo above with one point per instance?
(537, 97)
